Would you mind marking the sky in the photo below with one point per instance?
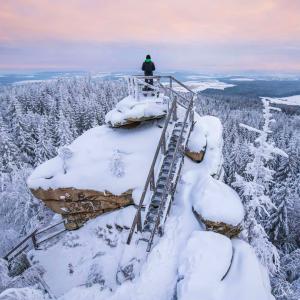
(206, 36)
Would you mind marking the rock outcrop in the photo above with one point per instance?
(78, 205)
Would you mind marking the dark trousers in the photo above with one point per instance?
(149, 81)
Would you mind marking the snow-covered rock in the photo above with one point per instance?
(206, 143)
(94, 164)
(216, 201)
(103, 173)
(131, 111)
(203, 263)
(212, 267)
(247, 279)
(217, 205)
(102, 170)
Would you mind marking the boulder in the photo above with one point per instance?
(79, 205)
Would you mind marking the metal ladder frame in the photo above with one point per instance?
(161, 147)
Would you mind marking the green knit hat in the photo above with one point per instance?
(148, 58)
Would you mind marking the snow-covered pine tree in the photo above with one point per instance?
(254, 189)
(64, 132)
(9, 153)
(23, 132)
(44, 148)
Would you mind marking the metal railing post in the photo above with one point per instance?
(139, 222)
(175, 110)
(152, 181)
(34, 241)
(163, 145)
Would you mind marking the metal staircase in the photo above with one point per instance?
(168, 159)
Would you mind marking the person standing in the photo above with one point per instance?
(148, 67)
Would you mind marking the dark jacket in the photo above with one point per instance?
(148, 68)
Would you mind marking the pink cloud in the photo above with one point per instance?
(227, 34)
(153, 21)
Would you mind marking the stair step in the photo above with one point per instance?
(161, 186)
(153, 209)
(155, 204)
(178, 124)
(162, 181)
(144, 240)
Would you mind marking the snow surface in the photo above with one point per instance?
(247, 279)
(79, 255)
(26, 293)
(175, 263)
(242, 79)
(198, 86)
(21, 82)
(130, 108)
(292, 100)
(203, 263)
(202, 270)
(186, 260)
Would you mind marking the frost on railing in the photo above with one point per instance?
(137, 86)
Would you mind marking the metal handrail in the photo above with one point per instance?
(176, 93)
(33, 238)
(137, 218)
(166, 77)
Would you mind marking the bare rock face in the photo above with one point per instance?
(195, 156)
(220, 227)
(78, 205)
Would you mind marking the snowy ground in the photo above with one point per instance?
(292, 100)
(201, 85)
(242, 79)
(186, 261)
